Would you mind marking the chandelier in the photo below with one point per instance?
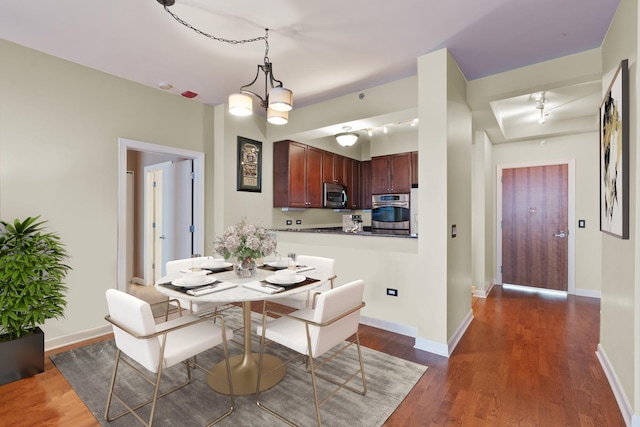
(277, 100)
(347, 138)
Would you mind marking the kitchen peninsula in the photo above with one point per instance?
(339, 231)
(389, 266)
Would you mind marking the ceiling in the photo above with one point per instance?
(321, 50)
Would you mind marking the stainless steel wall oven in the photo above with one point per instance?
(390, 212)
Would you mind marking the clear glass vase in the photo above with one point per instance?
(244, 267)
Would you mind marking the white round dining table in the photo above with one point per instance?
(244, 367)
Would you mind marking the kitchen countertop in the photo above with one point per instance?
(338, 230)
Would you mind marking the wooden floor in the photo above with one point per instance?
(526, 360)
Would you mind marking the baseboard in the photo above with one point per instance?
(457, 335)
(484, 293)
(431, 346)
(77, 337)
(445, 349)
(397, 328)
(623, 403)
(587, 293)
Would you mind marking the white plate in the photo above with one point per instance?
(215, 267)
(275, 264)
(276, 281)
(180, 282)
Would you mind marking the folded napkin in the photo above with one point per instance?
(213, 287)
(267, 288)
(301, 268)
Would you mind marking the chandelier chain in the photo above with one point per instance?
(221, 39)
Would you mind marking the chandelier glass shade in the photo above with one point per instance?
(280, 99)
(276, 117)
(240, 104)
(347, 139)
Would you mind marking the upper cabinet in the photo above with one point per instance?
(353, 183)
(299, 171)
(414, 169)
(333, 168)
(297, 175)
(365, 184)
(391, 174)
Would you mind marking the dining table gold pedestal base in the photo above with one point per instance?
(244, 374)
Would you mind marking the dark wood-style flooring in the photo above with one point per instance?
(526, 360)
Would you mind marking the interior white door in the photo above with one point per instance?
(168, 215)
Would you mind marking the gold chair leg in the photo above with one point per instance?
(156, 384)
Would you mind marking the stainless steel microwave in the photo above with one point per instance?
(335, 196)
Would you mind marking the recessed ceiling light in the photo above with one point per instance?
(165, 86)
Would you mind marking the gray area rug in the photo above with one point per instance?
(389, 379)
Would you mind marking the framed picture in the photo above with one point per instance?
(614, 156)
(249, 165)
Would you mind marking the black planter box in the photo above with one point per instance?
(21, 357)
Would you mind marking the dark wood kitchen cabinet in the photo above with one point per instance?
(414, 169)
(352, 182)
(365, 184)
(297, 175)
(339, 170)
(328, 164)
(333, 168)
(391, 174)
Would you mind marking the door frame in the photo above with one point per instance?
(124, 145)
(571, 214)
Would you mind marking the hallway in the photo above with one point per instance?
(527, 359)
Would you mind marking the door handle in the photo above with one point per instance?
(560, 234)
(162, 237)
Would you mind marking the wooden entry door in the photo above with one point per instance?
(534, 226)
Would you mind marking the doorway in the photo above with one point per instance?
(124, 228)
(535, 214)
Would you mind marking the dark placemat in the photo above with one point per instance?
(271, 268)
(305, 282)
(218, 270)
(183, 289)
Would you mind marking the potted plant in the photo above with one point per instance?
(32, 289)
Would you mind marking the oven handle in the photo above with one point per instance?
(391, 204)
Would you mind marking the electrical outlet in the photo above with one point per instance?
(582, 223)
(298, 221)
(392, 292)
(289, 222)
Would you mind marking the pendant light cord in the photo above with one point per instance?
(221, 39)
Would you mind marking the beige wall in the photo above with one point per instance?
(482, 214)
(59, 130)
(459, 165)
(620, 281)
(432, 157)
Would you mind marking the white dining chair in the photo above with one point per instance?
(175, 267)
(155, 347)
(323, 269)
(329, 326)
